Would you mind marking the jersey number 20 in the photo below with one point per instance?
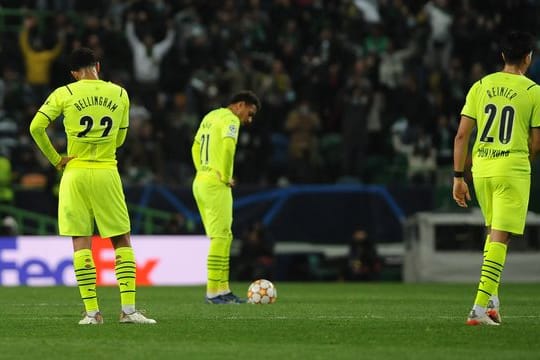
(505, 124)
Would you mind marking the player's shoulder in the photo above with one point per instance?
(478, 84)
(115, 85)
(222, 115)
(118, 88)
(65, 90)
(531, 85)
(489, 79)
(228, 116)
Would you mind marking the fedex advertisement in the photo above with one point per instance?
(48, 260)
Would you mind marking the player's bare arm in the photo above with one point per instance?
(534, 143)
(460, 191)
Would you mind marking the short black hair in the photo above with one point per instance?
(515, 45)
(81, 58)
(246, 96)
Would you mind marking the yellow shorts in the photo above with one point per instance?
(504, 201)
(92, 195)
(215, 203)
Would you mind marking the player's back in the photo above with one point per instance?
(94, 111)
(214, 128)
(505, 106)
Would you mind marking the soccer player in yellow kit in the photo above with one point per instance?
(213, 156)
(96, 119)
(504, 107)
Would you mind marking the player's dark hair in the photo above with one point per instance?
(81, 58)
(246, 96)
(515, 45)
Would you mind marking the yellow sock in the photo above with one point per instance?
(85, 273)
(492, 268)
(125, 269)
(224, 282)
(215, 264)
(486, 247)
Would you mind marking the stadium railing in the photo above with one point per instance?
(29, 222)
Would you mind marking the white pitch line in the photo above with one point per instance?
(505, 316)
(42, 304)
(319, 317)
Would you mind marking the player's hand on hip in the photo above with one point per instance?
(63, 162)
(460, 192)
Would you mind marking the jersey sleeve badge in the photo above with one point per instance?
(232, 131)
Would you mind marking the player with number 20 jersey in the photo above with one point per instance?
(505, 107)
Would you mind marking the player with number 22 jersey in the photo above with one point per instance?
(96, 118)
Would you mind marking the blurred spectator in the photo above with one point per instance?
(440, 41)
(256, 259)
(6, 181)
(277, 93)
(147, 57)
(2, 92)
(253, 154)
(27, 169)
(413, 104)
(418, 58)
(138, 114)
(364, 264)
(422, 160)
(38, 59)
(358, 100)
(9, 226)
(376, 42)
(392, 65)
(178, 225)
(8, 133)
(302, 124)
(177, 132)
(443, 140)
(145, 164)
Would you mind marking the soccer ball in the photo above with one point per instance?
(262, 292)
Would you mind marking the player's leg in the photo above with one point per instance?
(494, 302)
(125, 269)
(202, 193)
(484, 193)
(486, 243)
(512, 199)
(112, 220)
(214, 265)
(224, 287)
(492, 268)
(226, 211)
(214, 201)
(198, 195)
(509, 197)
(85, 274)
(75, 219)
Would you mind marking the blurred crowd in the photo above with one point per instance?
(352, 90)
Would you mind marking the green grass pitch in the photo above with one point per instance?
(308, 321)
